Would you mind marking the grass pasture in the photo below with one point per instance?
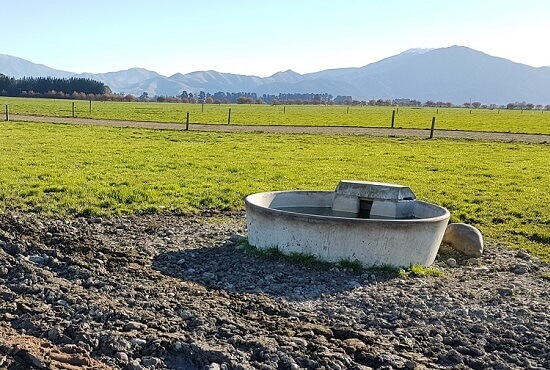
(497, 120)
(501, 188)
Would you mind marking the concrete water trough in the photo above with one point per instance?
(369, 222)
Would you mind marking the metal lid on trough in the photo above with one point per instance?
(375, 190)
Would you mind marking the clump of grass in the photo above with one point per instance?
(312, 262)
(354, 266)
(307, 260)
(273, 253)
(420, 271)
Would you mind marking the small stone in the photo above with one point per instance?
(97, 220)
(122, 357)
(506, 292)
(354, 344)
(37, 259)
(521, 269)
(354, 284)
(464, 238)
(524, 255)
(473, 261)
(133, 325)
(454, 356)
(53, 334)
(134, 365)
(482, 269)
(35, 361)
(208, 276)
(181, 261)
(236, 238)
(138, 341)
(214, 366)
(451, 262)
(178, 346)
(150, 362)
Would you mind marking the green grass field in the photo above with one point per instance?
(67, 170)
(534, 122)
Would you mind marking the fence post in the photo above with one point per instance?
(392, 118)
(187, 122)
(7, 112)
(90, 106)
(432, 129)
(73, 109)
(229, 116)
(284, 109)
(202, 107)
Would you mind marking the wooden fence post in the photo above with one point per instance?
(90, 106)
(73, 109)
(392, 118)
(7, 112)
(187, 122)
(433, 128)
(229, 116)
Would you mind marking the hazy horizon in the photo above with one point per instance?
(262, 38)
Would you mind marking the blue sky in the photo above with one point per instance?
(263, 37)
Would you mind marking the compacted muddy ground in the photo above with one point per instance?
(178, 292)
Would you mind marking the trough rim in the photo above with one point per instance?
(301, 216)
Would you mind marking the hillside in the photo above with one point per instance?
(456, 74)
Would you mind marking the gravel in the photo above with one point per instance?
(179, 292)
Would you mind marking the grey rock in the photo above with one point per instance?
(38, 259)
(464, 238)
(454, 357)
(451, 262)
(122, 357)
(134, 365)
(97, 220)
(521, 269)
(138, 342)
(151, 362)
(133, 325)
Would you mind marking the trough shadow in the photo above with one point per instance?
(234, 270)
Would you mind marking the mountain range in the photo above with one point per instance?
(454, 74)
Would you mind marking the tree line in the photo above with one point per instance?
(50, 86)
(88, 89)
(221, 97)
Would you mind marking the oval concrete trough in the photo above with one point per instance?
(372, 242)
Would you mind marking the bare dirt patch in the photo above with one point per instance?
(176, 292)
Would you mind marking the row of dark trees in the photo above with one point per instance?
(36, 86)
(245, 97)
